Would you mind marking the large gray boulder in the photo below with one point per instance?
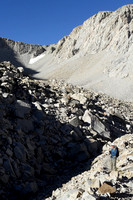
(99, 127)
(22, 108)
(75, 121)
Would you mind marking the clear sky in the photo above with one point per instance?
(47, 21)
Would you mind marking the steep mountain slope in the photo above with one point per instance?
(96, 55)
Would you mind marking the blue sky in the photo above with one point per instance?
(47, 21)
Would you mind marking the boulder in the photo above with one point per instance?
(75, 121)
(20, 151)
(8, 168)
(87, 196)
(80, 97)
(106, 188)
(22, 109)
(95, 183)
(20, 69)
(87, 117)
(26, 125)
(27, 170)
(99, 127)
(114, 175)
(92, 145)
(71, 195)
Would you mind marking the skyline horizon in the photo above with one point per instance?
(51, 32)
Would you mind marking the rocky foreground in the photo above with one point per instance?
(51, 134)
(99, 182)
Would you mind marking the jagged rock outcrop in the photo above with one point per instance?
(50, 131)
(19, 53)
(105, 30)
(20, 47)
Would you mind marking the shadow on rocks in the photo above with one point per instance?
(8, 54)
(39, 150)
(41, 153)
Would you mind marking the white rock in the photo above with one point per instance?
(70, 195)
(87, 196)
(20, 69)
(80, 97)
(87, 117)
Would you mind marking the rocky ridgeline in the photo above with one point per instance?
(96, 55)
(21, 47)
(89, 37)
(51, 131)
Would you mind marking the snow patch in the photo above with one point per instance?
(33, 60)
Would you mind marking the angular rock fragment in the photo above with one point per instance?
(106, 188)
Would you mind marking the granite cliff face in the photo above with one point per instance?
(96, 55)
(110, 31)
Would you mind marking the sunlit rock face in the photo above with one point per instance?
(96, 55)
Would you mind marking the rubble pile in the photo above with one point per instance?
(100, 182)
(51, 131)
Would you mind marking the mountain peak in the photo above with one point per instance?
(96, 54)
